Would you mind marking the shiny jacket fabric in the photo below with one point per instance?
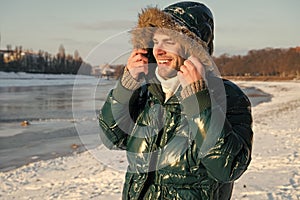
(163, 141)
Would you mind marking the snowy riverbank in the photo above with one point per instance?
(274, 172)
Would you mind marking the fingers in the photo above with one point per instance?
(138, 51)
(140, 57)
(137, 62)
(182, 79)
(198, 65)
(137, 57)
(189, 67)
(191, 71)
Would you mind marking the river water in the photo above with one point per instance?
(62, 112)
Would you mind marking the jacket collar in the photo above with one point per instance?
(155, 89)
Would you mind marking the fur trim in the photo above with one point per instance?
(152, 18)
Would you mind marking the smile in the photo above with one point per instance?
(163, 61)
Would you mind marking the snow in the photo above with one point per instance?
(274, 172)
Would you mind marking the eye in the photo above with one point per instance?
(155, 42)
(170, 42)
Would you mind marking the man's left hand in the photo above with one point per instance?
(191, 71)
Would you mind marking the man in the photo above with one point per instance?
(186, 131)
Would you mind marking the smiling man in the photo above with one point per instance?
(168, 55)
(187, 132)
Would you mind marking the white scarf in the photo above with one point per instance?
(169, 86)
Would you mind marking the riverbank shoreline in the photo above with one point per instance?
(55, 135)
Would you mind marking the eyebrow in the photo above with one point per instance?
(164, 40)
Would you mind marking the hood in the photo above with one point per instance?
(189, 23)
(196, 17)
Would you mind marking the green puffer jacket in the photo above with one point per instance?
(179, 149)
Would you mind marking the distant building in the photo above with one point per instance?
(108, 71)
(8, 55)
(12, 55)
(19, 60)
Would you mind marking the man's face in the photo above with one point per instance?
(168, 55)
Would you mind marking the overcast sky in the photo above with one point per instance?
(84, 25)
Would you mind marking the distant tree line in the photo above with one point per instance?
(264, 62)
(18, 60)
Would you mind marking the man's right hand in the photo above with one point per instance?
(137, 63)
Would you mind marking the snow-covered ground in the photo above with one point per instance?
(274, 172)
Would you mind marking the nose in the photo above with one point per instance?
(158, 50)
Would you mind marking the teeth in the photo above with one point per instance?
(163, 61)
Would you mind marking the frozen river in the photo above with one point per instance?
(54, 104)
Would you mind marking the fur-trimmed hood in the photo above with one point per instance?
(185, 22)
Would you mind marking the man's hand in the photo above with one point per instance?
(191, 71)
(137, 63)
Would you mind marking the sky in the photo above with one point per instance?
(95, 27)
